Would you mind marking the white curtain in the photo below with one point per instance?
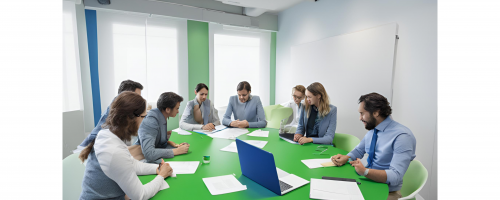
(238, 54)
(142, 48)
(72, 90)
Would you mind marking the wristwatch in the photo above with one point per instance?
(366, 172)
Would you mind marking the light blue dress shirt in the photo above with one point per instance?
(394, 150)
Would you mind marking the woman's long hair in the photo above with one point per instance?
(324, 102)
(121, 119)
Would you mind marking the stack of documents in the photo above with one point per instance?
(232, 147)
(331, 189)
(181, 132)
(316, 163)
(229, 133)
(223, 184)
(184, 167)
(259, 133)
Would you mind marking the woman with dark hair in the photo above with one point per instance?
(318, 119)
(200, 113)
(246, 109)
(111, 172)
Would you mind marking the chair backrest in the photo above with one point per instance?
(269, 109)
(345, 142)
(414, 180)
(73, 171)
(73, 131)
(277, 115)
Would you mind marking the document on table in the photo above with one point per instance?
(259, 133)
(232, 147)
(217, 129)
(223, 184)
(181, 132)
(184, 167)
(331, 189)
(315, 163)
(229, 133)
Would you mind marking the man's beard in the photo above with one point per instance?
(371, 124)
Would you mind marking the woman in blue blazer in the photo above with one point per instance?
(247, 109)
(318, 119)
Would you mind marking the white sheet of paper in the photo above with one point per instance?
(223, 184)
(220, 127)
(315, 163)
(184, 167)
(229, 133)
(290, 141)
(232, 147)
(181, 132)
(331, 189)
(259, 133)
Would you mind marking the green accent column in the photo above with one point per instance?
(198, 55)
(272, 66)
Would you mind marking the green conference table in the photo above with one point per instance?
(286, 155)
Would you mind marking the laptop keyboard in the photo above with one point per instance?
(284, 186)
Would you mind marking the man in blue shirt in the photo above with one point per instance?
(126, 85)
(389, 144)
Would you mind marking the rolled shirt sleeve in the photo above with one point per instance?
(358, 151)
(402, 156)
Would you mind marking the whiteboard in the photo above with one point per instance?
(348, 66)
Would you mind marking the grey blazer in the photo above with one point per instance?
(327, 126)
(187, 119)
(153, 137)
(254, 112)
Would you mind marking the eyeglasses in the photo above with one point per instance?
(296, 97)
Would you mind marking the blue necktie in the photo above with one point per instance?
(371, 153)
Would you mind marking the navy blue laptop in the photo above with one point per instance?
(258, 165)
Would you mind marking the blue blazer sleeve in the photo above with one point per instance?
(330, 131)
(227, 116)
(261, 116)
(301, 128)
(96, 129)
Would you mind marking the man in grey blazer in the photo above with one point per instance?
(246, 109)
(153, 135)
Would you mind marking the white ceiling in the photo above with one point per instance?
(274, 6)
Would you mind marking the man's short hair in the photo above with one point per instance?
(168, 100)
(129, 85)
(376, 102)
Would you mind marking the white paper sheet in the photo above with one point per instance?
(290, 141)
(229, 133)
(223, 184)
(184, 167)
(232, 147)
(181, 132)
(315, 163)
(331, 189)
(259, 133)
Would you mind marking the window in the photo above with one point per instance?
(239, 55)
(142, 48)
(72, 98)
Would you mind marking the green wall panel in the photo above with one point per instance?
(272, 67)
(198, 55)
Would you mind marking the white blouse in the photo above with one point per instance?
(119, 165)
(294, 119)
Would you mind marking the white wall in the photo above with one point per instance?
(415, 82)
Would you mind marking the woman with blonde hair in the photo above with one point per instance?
(318, 119)
(111, 171)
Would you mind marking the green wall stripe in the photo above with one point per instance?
(272, 66)
(198, 55)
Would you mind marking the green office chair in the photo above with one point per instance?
(277, 115)
(73, 171)
(269, 109)
(345, 142)
(413, 180)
